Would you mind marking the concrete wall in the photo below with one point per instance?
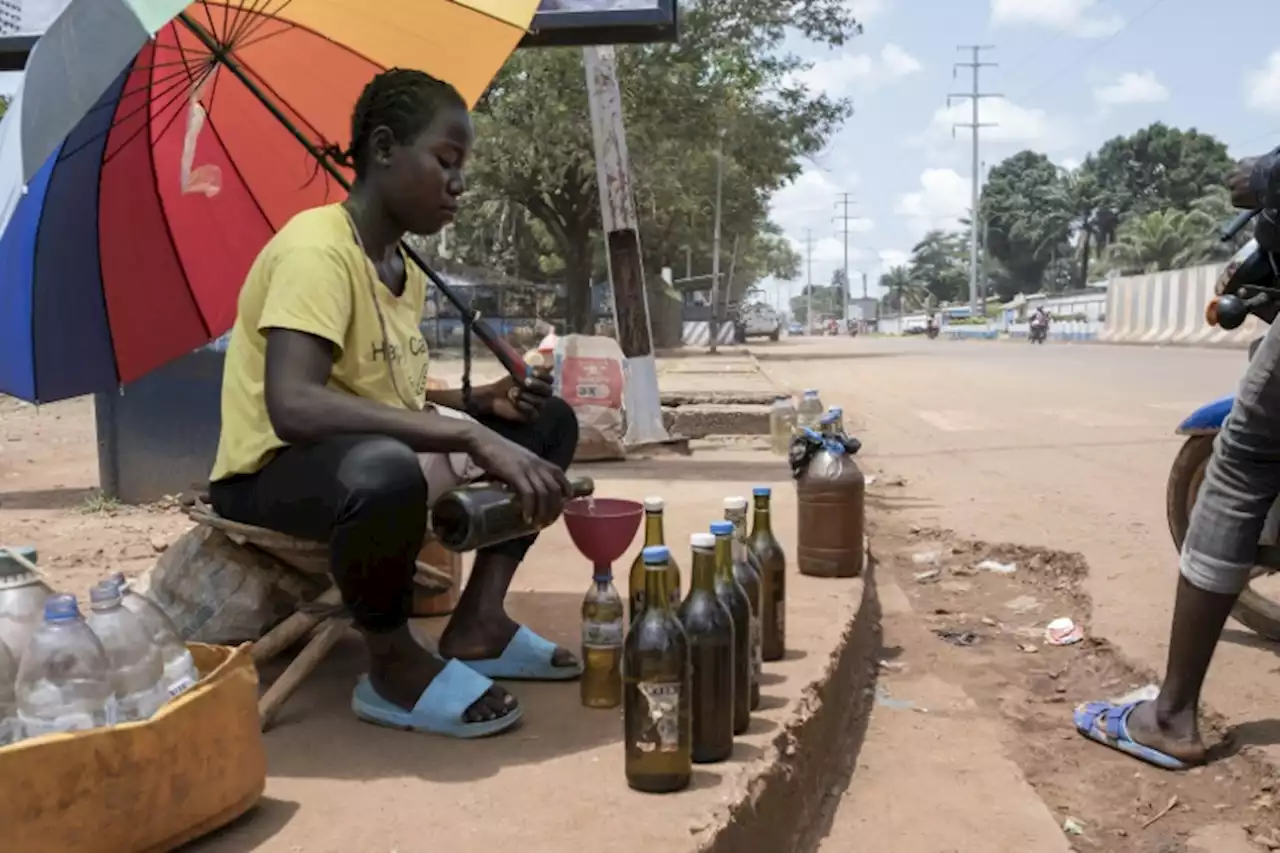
(1168, 308)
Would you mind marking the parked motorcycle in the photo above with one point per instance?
(1248, 285)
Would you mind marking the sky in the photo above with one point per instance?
(1073, 74)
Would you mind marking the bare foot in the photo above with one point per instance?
(400, 670)
(1177, 737)
(472, 638)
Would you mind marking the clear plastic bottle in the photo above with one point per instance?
(180, 673)
(810, 410)
(64, 680)
(137, 670)
(10, 728)
(782, 425)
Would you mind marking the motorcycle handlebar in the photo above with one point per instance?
(1238, 224)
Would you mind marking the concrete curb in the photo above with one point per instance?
(784, 808)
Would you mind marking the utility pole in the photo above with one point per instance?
(715, 246)
(844, 218)
(975, 97)
(808, 254)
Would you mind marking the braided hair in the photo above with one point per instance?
(405, 101)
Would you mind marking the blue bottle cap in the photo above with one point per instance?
(829, 418)
(656, 554)
(762, 491)
(722, 528)
(61, 608)
(811, 392)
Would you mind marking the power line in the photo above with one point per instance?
(844, 218)
(975, 98)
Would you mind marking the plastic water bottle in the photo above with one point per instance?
(137, 671)
(64, 680)
(10, 729)
(782, 424)
(810, 410)
(180, 673)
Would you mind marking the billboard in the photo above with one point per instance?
(561, 23)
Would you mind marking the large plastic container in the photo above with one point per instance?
(831, 511)
(64, 679)
(137, 669)
(146, 787)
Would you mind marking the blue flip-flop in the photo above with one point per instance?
(527, 657)
(439, 710)
(1108, 724)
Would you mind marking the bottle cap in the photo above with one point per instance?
(656, 555)
(735, 503)
(654, 504)
(105, 594)
(836, 410)
(117, 579)
(722, 528)
(703, 541)
(762, 491)
(829, 418)
(61, 608)
(811, 392)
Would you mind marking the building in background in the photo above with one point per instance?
(28, 17)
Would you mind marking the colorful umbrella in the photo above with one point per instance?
(156, 145)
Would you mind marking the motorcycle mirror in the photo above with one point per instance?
(1232, 312)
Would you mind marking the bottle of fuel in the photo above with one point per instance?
(773, 578)
(603, 625)
(709, 629)
(653, 537)
(734, 598)
(746, 570)
(810, 410)
(830, 507)
(480, 515)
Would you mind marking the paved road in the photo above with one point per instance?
(1065, 446)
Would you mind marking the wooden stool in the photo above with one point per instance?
(325, 615)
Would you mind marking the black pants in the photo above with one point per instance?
(365, 495)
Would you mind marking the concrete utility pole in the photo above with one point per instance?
(844, 218)
(975, 97)
(622, 241)
(808, 254)
(715, 245)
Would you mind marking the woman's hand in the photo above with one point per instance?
(512, 400)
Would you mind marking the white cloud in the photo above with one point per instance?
(1079, 18)
(865, 10)
(943, 199)
(890, 258)
(1012, 124)
(1262, 87)
(842, 74)
(1132, 88)
(808, 207)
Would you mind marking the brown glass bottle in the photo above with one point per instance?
(709, 628)
(603, 620)
(653, 535)
(773, 579)
(746, 571)
(734, 598)
(656, 689)
(831, 515)
(479, 515)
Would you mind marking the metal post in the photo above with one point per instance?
(844, 218)
(975, 97)
(715, 246)
(622, 242)
(808, 311)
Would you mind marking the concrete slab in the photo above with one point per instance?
(556, 783)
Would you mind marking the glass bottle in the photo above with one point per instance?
(782, 425)
(746, 569)
(837, 420)
(653, 536)
(656, 688)
(734, 598)
(709, 628)
(479, 515)
(603, 618)
(773, 579)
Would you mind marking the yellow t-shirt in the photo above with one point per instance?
(313, 277)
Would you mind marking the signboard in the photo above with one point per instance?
(567, 23)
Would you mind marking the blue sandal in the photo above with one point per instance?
(1108, 724)
(527, 657)
(439, 710)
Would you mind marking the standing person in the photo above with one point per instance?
(1241, 483)
(330, 433)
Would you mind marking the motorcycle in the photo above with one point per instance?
(931, 331)
(1039, 332)
(1249, 284)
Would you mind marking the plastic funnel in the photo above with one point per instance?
(602, 528)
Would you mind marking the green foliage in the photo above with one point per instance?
(902, 290)
(827, 301)
(1162, 240)
(1027, 211)
(940, 263)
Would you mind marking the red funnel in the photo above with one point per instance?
(602, 528)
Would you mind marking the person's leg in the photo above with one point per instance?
(366, 497)
(1241, 484)
(480, 628)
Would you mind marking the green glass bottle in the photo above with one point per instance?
(653, 536)
(734, 598)
(773, 579)
(603, 624)
(709, 627)
(657, 689)
(747, 571)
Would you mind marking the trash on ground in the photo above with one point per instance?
(1024, 604)
(1063, 632)
(1028, 648)
(958, 638)
(884, 700)
(988, 621)
(871, 481)
(1147, 693)
(1170, 806)
(891, 666)
(926, 577)
(998, 567)
(926, 558)
(1071, 826)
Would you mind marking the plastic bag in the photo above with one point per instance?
(809, 443)
(590, 376)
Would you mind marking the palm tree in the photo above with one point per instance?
(903, 291)
(1162, 240)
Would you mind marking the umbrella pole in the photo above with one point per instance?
(506, 354)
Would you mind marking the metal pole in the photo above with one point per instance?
(715, 246)
(622, 242)
(974, 96)
(808, 311)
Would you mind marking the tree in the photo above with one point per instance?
(940, 263)
(826, 303)
(1028, 215)
(730, 72)
(1162, 240)
(903, 292)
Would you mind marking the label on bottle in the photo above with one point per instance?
(602, 635)
(757, 649)
(662, 731)
(180, 686)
